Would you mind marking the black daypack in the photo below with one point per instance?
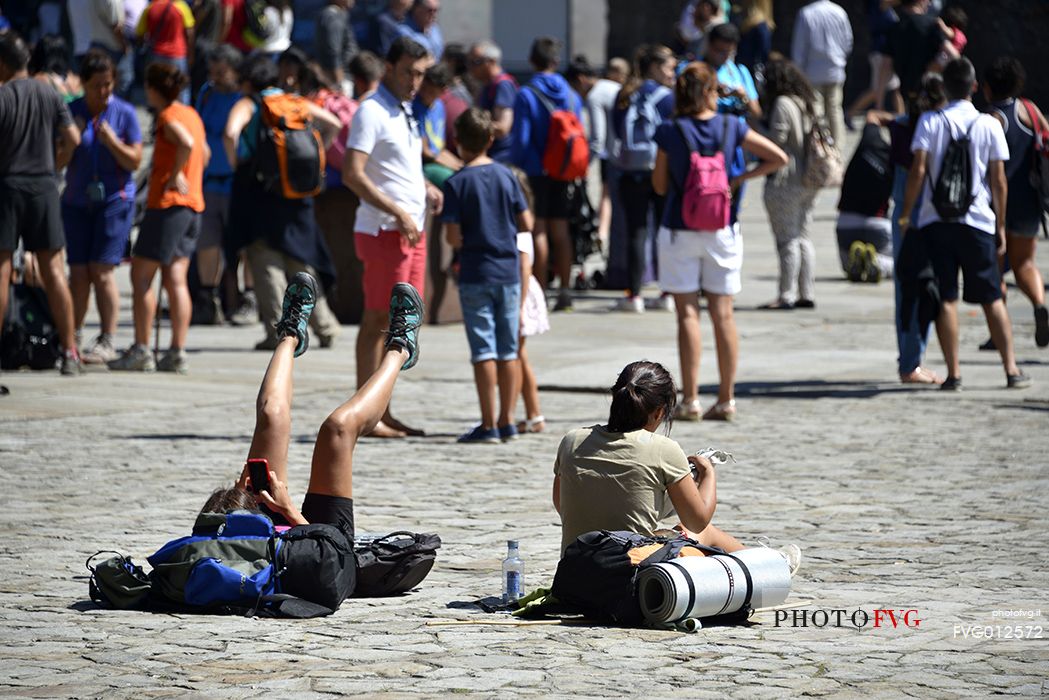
(598, 577)
(29, 335)
(394, 563)
(952, 193)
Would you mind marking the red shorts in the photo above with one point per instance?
(388, 259)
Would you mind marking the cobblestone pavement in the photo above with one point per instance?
(902, 498)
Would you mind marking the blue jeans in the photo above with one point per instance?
(491, 316)
(910, 340)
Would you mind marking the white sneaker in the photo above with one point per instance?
(660, 303)
(791, 552)
(631, 304)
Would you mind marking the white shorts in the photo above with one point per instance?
(876, 59)
(691, 261)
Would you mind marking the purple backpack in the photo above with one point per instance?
(706, 198)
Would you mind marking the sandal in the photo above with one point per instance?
(689, 411)
(725, 411)
(532, 425)
(920, 375)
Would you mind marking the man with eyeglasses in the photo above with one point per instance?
(384, 167)
(485, 63)
(421, 26)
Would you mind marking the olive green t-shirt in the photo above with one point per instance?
(615, 481)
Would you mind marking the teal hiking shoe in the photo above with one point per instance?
(406, 317)
(299, 298)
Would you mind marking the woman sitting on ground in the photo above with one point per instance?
(329, 496)
(620, 476)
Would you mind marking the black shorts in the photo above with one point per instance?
(551, 197)
(956, 246)
(329, 510)
(166, 234)
(606, 170)
(30, 208)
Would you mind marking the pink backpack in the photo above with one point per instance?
(706, 197)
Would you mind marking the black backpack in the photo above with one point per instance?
(952, 193)
(597, 577)
(29, 335)
(394, 563)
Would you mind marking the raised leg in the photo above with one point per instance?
(273, 410)
(1021, 251)
(331, 473)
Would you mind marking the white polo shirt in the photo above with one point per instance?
(384, 129)
(987, 143)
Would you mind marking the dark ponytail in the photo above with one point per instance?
(641, 389)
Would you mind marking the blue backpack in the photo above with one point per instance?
(637, 148)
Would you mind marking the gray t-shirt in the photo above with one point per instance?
(615, 481)
(31, 115)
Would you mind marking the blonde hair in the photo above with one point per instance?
(755, 12)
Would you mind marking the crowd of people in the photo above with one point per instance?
(418, 138)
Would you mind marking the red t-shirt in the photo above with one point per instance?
(235, 38)
(166, 22)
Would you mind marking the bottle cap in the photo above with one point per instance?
(511, 544)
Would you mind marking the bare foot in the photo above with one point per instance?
(382, 430)
(401, 427)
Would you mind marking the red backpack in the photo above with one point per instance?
(706, 200)
(567, 154)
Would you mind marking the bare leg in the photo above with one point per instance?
(5, 282)
(562, 251)
(713, 537)
(485, 381)
(144, 300)
(369, 354)
(1002, 334)
(53, 270)
(541, 268)
(273, 410)
(529, 385)
(107, 296)
(947, 332)
(1028, 278)
(179, 302)
(509, 386)
(80, 291)
(331, 473)
(604, 217)
(727, 341)
(688, 344)
(209, 265)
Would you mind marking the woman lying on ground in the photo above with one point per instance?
(619, 476)
(329, 496)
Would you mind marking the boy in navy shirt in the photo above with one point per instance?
(484, 209)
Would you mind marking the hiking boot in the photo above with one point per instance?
(480, 435)
(406, 316)
(100, 351)
(872, 271)
(71, 366)
(1041, 326)
(137, 358)
(248, 312)
(207, 312)
(856, 267)
(174, 360)
(1018, 381)
(299, 298)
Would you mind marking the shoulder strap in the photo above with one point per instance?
(543, 99)
(1036, 121)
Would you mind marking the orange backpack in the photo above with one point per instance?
(567, 154)
(289, 158)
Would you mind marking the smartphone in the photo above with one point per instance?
(259, 471)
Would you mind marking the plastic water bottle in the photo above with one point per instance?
(513, 573)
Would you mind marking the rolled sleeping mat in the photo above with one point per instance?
(699, 587)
